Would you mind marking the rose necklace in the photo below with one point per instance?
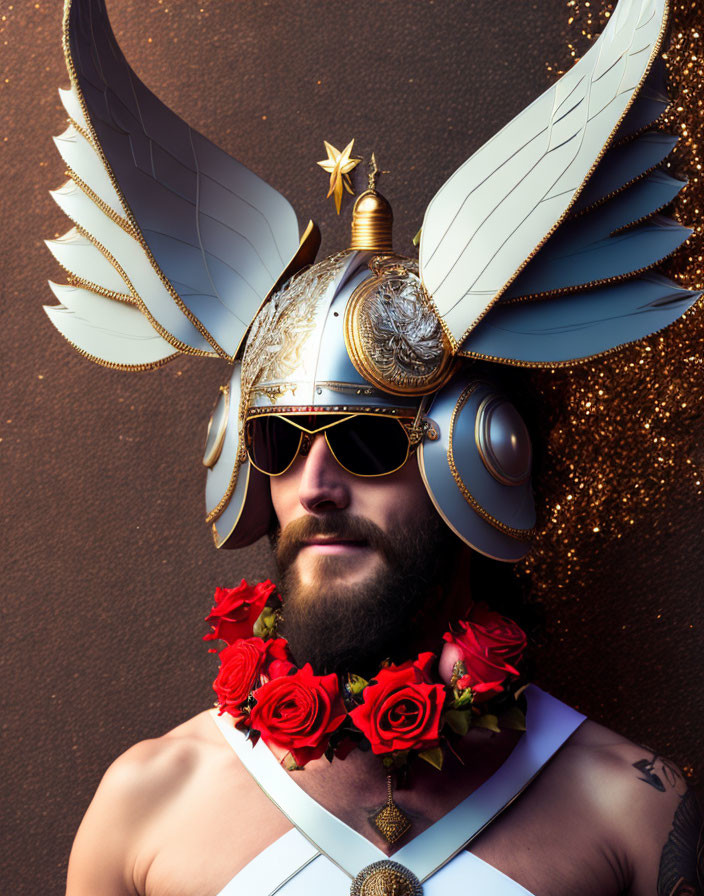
(401, 712)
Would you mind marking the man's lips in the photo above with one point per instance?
(334, 545)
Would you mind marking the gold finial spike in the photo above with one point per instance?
(372, 222)
(374, 172)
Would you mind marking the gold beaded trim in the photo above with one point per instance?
(185, 349)
(114, 365)
(79, 282)
(102, 205)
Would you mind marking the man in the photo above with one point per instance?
(364, 428)
(180, 814)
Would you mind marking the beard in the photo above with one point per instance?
(340, 627)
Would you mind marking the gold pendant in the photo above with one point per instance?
(390, 821)
(386, 878)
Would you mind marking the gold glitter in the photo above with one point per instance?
(620, 429)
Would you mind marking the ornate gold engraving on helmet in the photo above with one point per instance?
(282, 329)
(393, 338)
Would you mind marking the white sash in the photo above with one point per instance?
(327, 854)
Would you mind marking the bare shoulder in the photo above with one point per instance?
(141, 786)
(149, 775)
(642, 807)
(608, 762)
(159, 765)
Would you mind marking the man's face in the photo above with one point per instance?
(317, 488)
(357, 559)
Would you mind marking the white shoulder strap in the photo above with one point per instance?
(549, 723)
(275, 865)
(292, 867)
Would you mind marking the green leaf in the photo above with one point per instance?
(514, 719)
(434, 757)
(488, 721)
(416, 238)
(265, 624)
(462, 699)
(356, 684)
(460, 722)
(290, 764)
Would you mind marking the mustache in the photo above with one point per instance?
(343, 526)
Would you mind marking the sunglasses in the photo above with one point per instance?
(362, 444)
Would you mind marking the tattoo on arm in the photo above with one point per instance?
(658, 772)
(681, 871)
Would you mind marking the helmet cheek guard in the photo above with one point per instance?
(476, 468)
(237, 498)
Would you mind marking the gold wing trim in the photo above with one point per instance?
(135, 230)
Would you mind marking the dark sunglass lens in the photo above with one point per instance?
(272, 443)
(369, 446)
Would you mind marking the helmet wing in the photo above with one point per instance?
(569, 328)
(196, 238)
(493, 215)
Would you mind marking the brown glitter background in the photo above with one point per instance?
(108, 566)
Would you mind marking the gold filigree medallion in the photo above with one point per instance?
(393, 337)
(386, 878)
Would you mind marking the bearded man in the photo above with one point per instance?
(374, 734)
(371, 570)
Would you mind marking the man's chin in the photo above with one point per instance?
(315, 569)
(338, 617)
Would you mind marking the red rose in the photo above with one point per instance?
(482, 690)
(236, 610)
(488, 644)
(401, 710)
(242, 665)
(298, 713)
(280, 666)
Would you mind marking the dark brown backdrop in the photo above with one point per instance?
(109, 569)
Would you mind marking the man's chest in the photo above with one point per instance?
(527, 823)
(545, 852)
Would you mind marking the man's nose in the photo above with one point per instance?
(323, 486)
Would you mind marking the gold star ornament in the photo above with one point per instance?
(339, 164)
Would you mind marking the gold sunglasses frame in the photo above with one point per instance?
(408, 424)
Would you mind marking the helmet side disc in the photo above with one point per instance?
(477, 471)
